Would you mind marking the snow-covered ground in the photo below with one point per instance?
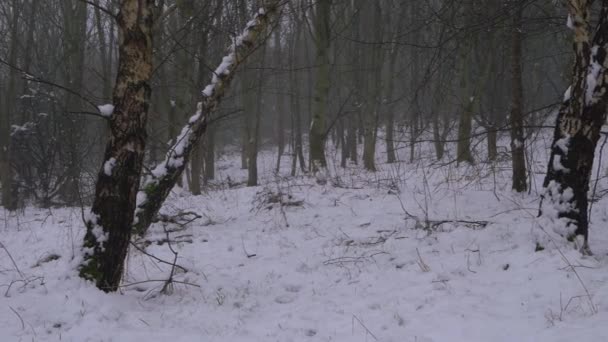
(351, 260)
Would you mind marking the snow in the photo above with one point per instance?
(570, 23)
(99, 234)
(557, 164)
(108, 166)
(106, 110)
(556, 202)
(592, 76)
(26, 127)
(346, 265)
(517, 144)
(563, 144)
(194, 118)
(568, 94)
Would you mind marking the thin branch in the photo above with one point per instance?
(12, 260)
(101, 8)
(20, 318)
(32, 78)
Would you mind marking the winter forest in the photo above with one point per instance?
(303, 170)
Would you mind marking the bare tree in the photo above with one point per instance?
(6, 175)
(317, 125)
(577, 130)
(516, 117)
(109, 223)
(158, 185)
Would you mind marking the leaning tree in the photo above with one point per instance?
(118, 206)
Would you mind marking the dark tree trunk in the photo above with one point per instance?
(516, 117)
(75, 23)
(577, 130)
(438, 140)
(492, 148)
(6, 173)
(351, 138)
(110, 223)
(210, 153)
(317, 132)
(280, 129)
(253, 146)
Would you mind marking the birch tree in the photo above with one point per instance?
(109, 224)
(577, 129)
(157, 186)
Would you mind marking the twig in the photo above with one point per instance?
(572, 267)
(158, 280)
(25, 282)
(367, 331)
(423, 266)
(156, 258)
(249, 256)
(12, 260)
(168, 287)
(20, 318)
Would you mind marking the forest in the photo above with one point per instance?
(303, 170)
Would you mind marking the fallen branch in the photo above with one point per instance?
(157, 258)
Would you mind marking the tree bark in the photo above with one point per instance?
(577, 130)
(319, 113)
(75, 23)
(280, 128)
(516, 117)
(254, 134)
(493, 149)
(109, 224)
(209, 173)
(6, 173)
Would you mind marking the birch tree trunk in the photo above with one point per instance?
(109, 224)
(577, 130)
(158, 185)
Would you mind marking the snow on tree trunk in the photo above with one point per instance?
(157, 186)
(577, 130)
(109, 224)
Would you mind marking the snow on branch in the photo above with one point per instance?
(157, 186)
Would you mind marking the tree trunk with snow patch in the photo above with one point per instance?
(157, 186)
(577, 130)
(109, 224)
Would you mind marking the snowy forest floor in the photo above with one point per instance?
(352, 260)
